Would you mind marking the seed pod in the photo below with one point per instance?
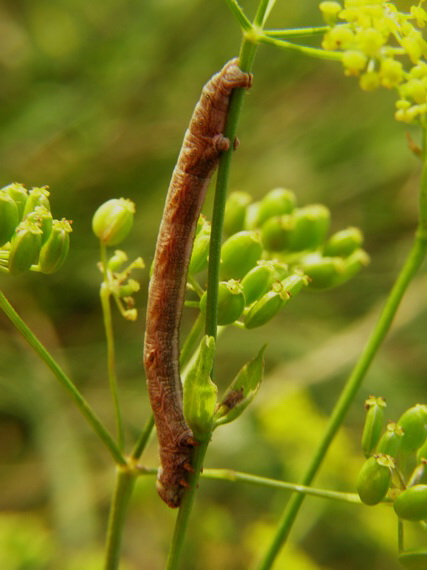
(251, 217)
(19, 195)
(37, 197)
(235, 212)
(413, 559)
(413, 422)
(374, 479)
(267, 307)
(276, 233)
(353, 264)
(113, 220)
(239, 254)
(9, 217)
(294, 283)
(343, 243)
(231, 302)
(311, 227)
(411, 504)
(43, 218)
(24, 247)
(373, 424)
(55, 250)
(276, 203)
(391, 440)
(199, 255)
(324, 272)
(258, 281)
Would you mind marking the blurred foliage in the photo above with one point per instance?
(94, 101)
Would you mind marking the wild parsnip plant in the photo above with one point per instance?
(259, 255)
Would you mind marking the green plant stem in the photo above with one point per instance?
(408, 271)
(125, 481)
(143, 439)
(237, 476)
(51, 363)
(105, 295)
(310, 51)
(186, 507)
(296, 32)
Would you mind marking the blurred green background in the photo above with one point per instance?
(95, 97)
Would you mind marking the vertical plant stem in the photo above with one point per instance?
(51, 363)
(415, 258)
(185, 508)
(105, 295)
(125, 481)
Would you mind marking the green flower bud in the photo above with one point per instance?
(275, 203)
(251, 218)
(413, 559)
(113, 220)
(231, 302)
(267, 307)
(413, 422)
(55, 250)
(343, 243)
(24, 247)
(19, 195)
(374, 479)
(9, 217)
(43, 218)
(239, 254)
(293, 284)
(411, 504)
(37, 197)
(199, 255)
(200, 393)
(241, 391)
(391, 440)
(311, 227)
(276, 232)
(235, 212)
(258, 281)
(324, 272)
(373, 424)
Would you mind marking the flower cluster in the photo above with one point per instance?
(384, 47)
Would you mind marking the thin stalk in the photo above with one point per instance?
(310, 51)
(239, 14)
(296, 32)
(237, 476)
(414, 260)
(186, 507)
(105, 295)
(125, 481)
(51, 363)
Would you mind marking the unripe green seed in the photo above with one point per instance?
(267, 307)
(113, 220)
(276, 233)
(199, 255)
(275, 203)
(258, 281)
(293, 284)
(19, 195)
(9, 217)
(117, 260)
(411, 504)
(43, 218)
(251, 217)
(343, 243)
(353, 264)
(373, 424)
(413, 559)
(24, 247)
(55, 250)
(414, 424)
(37, 197)
(239, 254)
(231, 302)
(311, 227)
(374, 479)
(391, 440)
(129, 288)
(324, 272)
(235, 212)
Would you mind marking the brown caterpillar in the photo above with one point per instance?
(202, 146)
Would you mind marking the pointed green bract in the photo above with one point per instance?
(200, 393)
(241, 391)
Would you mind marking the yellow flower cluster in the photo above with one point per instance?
(383, 47)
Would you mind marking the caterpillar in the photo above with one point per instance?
(202, 146)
